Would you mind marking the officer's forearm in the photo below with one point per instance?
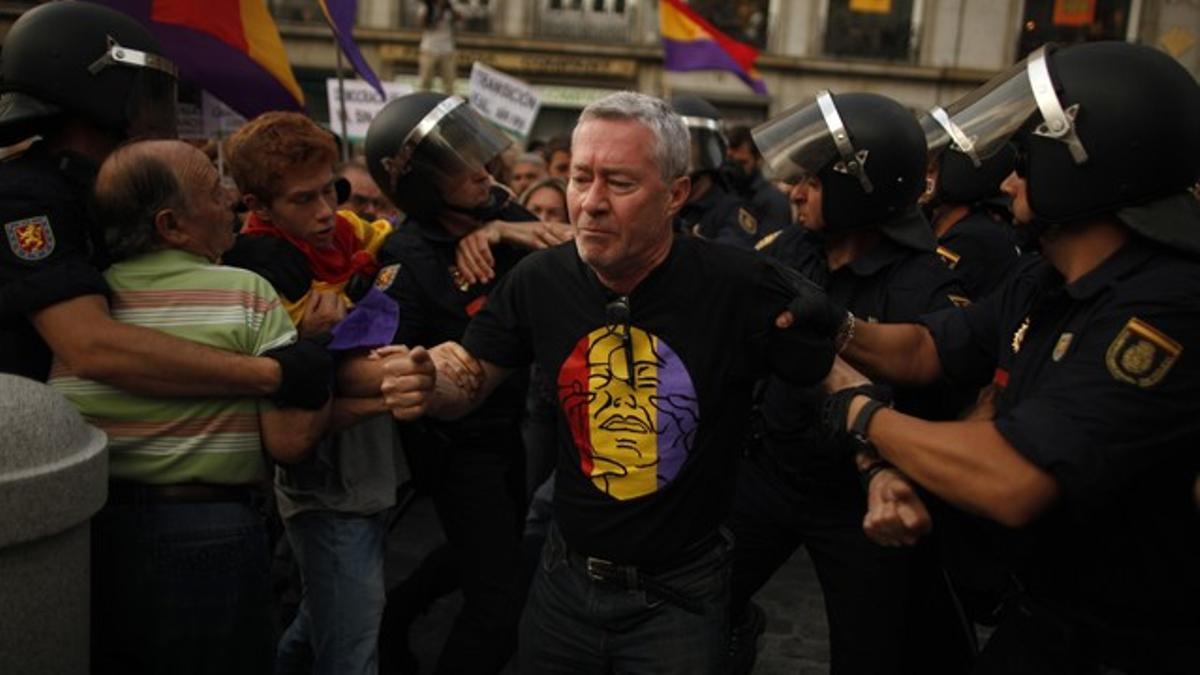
(968, 464)
(899, 353)
(145, 361)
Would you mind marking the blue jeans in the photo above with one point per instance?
(336, 629)
(180, 588)
(573, 624)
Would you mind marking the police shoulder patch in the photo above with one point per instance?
(1141, 354)
(767, 240)
(386, 276)
(747, 221)
(949, 257)
(30, 238)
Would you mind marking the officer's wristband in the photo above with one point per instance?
(868, 474)
(307, 373)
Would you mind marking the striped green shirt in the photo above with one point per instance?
(165, 440)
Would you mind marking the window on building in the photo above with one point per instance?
(593, 20)
(1070, 21)
(872, 29)
(742, 20)
(476, 15)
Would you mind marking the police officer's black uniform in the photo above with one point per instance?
(981, 249)
(472, 467)
(52, 251)
(1097, 382)
(722, 217)
(793, 489)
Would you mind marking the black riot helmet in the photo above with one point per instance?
(867, 150)
(86, 60)
(703, 122)
(963, 176)
(422, 139)
(1101, 127)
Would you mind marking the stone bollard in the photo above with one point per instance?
(53, 479)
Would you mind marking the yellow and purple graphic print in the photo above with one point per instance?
(634, 424)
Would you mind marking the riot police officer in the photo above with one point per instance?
(857, 161)
(1089, 448)
(743, 171)
(712, 210)
(969, 213)
(428, 152)
(83, 78)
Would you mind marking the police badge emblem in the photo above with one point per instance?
(1141, 354)
(31, 238)
(747, 221)
(1061, 347)
(386, 277)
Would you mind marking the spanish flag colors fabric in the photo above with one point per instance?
(231, 48)
(692, 43)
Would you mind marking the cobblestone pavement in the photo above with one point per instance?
(795, 641)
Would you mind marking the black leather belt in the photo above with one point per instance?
(634, 578)
(126, 493)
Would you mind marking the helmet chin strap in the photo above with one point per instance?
(484, 212)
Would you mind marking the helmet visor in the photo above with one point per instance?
(453, 141)
(989, 116)
(796, 143)
(150, 108)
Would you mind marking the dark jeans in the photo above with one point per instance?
(180, 588)
(575, 625)
(336, 629)
(889, 610)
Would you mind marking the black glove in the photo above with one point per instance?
(812, 307)
(307, 374)
(834, 410)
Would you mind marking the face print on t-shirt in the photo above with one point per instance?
(633, 428)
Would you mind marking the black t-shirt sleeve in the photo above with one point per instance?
(797, 354)
(499, 333)
(44, 255)
(1123, 396)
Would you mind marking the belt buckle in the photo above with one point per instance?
(599, 569)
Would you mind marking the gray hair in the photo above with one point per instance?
(133, 185)
(672, 145)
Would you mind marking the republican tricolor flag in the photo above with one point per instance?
(692, 43)
(231, 48)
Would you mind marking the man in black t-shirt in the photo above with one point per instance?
(1089, 449)
(655, 344)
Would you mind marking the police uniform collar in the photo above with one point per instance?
(1118, 265)
(883, 254)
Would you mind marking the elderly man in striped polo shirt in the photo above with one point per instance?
(180, 553)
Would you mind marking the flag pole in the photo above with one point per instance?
(342, 101)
